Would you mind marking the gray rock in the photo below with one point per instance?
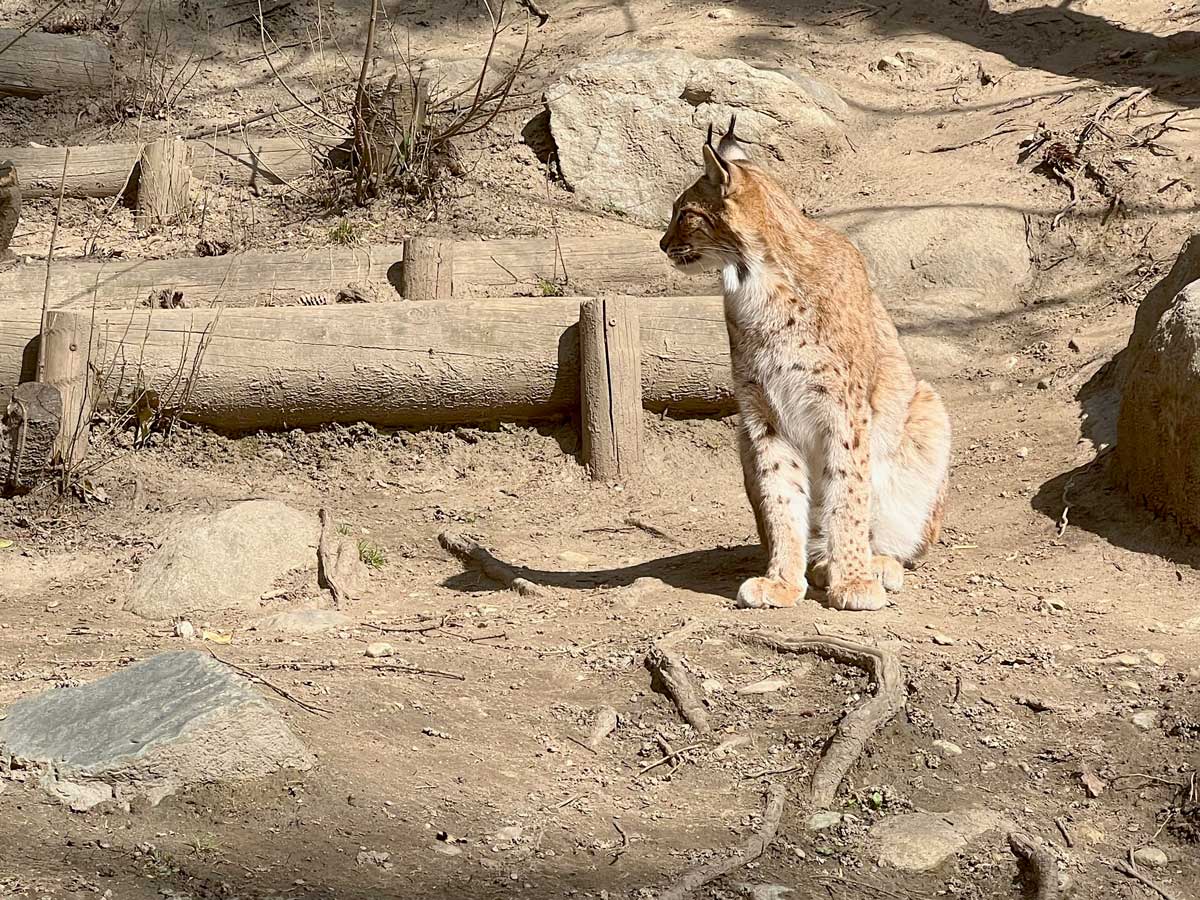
(175, 719)
(76, 797)
(1161, 298)
(1146, 720)
(304, 621)
(629, 128)
(224, 561)
(819, 821)
(919, 842)
(1150, 856)
(1158, 428)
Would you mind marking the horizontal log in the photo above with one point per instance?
(39, 64)
(19, 327)
(102, 170)
(406, 364)
(243, 279)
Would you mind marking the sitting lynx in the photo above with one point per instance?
(845, 454)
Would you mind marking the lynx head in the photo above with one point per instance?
(703, 233)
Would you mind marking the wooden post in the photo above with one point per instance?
(67, 346)
(428, 269)
(164, 182)
(32, 422)
(610, 358)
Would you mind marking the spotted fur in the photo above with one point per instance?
(845, 454)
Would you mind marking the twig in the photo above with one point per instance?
(1130, 870)
(575, 740)
(673, 754)
(786, 770)
(262, 37)
(261, 15)
(1041, 866)
(1061, 825)
(624, 840)
(944, 148)
(755, 847)
(647, 527)
(397, 629)
(672, 679)
(62, 186)
(32, 25)
(285, 694)
(477, 556)
(415, 670)
(542, 16)
(861, 723)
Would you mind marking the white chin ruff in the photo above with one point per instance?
(696, 267)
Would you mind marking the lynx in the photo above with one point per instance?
(845, 455)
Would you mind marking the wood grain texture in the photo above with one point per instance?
(164, 182)
(400, 364)
(611, 388)
(39, 64)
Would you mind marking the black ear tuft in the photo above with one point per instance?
(708, 140)
(732, 124)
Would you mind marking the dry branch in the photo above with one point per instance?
(1039, 862)
(671, 678)
(1130, 870)
(755, 847)
(861, 723)
(477, 556)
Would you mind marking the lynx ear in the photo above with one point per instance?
(715, 169)
(730, 147)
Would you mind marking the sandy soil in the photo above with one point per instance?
(1049, 615)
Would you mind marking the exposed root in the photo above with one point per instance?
(1040, 866)
(671, 678)
(1130, 870)
(478, 557)
(755, 847)
(861, 723)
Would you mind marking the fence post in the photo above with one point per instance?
(611, 387)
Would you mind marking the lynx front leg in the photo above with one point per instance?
(777, 484)
(847, 514)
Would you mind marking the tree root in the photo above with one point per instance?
(671, 678)
(478, 557)
(755, 847)
(1040, 865)
(861, 723)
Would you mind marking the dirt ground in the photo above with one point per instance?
(1049, 615)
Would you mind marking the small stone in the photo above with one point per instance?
(947, 748)
(379, 649)
(1044, 384)
(510, 833)
(572, 558)
(272, 453)
(1132, 686)
(890, 64)
(185, 630)
(1075, 343)
(1150, 856)
(1123, 659)
(1146, 719)
(711, 686)
(1192, 624)
(1155, 658)
(943, 640)
(819, 821)
(1022, 453)
(1093, 784)
(766, 686)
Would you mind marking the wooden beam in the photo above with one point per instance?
(38, 64)
(104, 170)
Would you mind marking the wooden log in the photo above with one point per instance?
(428, 270)
(10, 207)
(38, 64)
(67, 356)
(398, 364)
(611, 387)
(19, 327)
(164, 182)
(103, 170)
(32, 420)
(243, 278)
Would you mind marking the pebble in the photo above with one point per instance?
(947, 748)
(1132, 686)
(1146, 719)
(1022, 452)
(943, 640)
(271, 453)
(1150, 856)
(766, 686)
(711, 686)
(510, 833)
(379, 650)
(819, 821)
(1155, 658)
(1044, 384)
(185, 630)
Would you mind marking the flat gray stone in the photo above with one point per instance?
(224, 561)
(304, 621)
(919, 842)
(172, 720)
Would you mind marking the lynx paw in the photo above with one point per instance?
(760, 593)
(890, 573)
(818, 575)
(858, 596)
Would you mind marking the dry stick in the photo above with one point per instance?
(861, 723)
(671, 756)
(286, 695)
(416, 670)
(673, 678)
(755, 847)
(62, 186)
(1130, 870)
(477, 556)
(1041, 865)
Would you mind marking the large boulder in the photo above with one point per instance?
(224, 561)
(629, 128)
(1158, 428)
(1185, 270)
(170, 721)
